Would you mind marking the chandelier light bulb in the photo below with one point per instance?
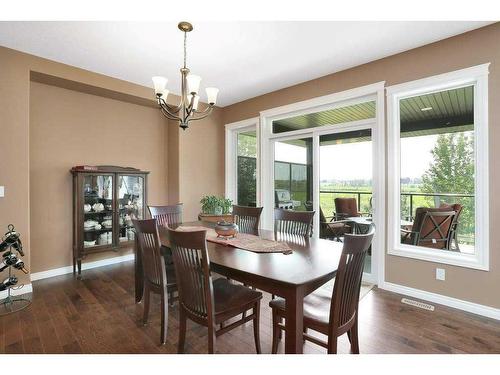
(193, 83)
(212, 94)
(196, 101)
(159, 84)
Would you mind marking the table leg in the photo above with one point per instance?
(138, 273)
(294, 322)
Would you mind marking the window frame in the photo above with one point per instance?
(232, 131)
(374, 91)
(476, 76)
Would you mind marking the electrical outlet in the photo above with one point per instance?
(2, 191)
(440, 274)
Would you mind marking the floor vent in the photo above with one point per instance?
(418, 304)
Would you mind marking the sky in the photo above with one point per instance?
(352, 161)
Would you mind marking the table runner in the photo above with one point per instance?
(243, 241)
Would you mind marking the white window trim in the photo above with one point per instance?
(231, 152)
(478, 76)
(267, 138)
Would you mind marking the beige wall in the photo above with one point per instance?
(14, 147)
(476, 47)
(47, 109)
(70, 128)
(201, 162)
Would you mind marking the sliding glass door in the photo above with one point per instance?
(326, 171)
(345, 176)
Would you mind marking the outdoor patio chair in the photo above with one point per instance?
(432, 227)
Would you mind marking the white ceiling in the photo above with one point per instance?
(242, 59)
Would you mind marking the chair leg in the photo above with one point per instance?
(211, 339)
(332, 345)
(171, 299)
(182, 330)
(146, 304)
(256, 326)
(280, 332)
(164, 317)
(354, 338)
(276, 332)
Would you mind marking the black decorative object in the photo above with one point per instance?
(11, 249)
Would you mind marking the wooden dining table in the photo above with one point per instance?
(311, 264)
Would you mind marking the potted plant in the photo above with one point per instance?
(215, 208)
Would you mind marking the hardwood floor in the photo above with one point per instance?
(98, 315)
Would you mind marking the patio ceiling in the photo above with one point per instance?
(441, 112)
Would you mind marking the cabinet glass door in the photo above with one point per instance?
(130, 204)
(97, 210)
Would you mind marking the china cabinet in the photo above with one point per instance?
(105, 199)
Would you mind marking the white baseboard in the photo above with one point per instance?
(85, 266)
(456, 303)
(27, 288)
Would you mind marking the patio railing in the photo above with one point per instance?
(410, 198)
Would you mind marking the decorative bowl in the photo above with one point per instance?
(87, 207)
(225, 229)
(107, 224)
(98, 207)
(89, 224)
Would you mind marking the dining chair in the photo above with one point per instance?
(167, 216)
(293, 223)
(157, 277)
(247, 218)
(336, 313)
(203, 300)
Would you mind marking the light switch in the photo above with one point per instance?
(2, 191)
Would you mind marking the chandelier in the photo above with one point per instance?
(187, 110)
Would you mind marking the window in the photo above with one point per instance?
(247, 168)
(292, 174)
(438, 159)
(241, 162)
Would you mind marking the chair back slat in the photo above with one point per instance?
(294, 223)
(247, 218)
(149, 242)
(345, 297)
(190, 255)
(167, 216)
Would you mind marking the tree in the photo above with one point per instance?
(452, 171)
(247, 145)
(247, 165)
